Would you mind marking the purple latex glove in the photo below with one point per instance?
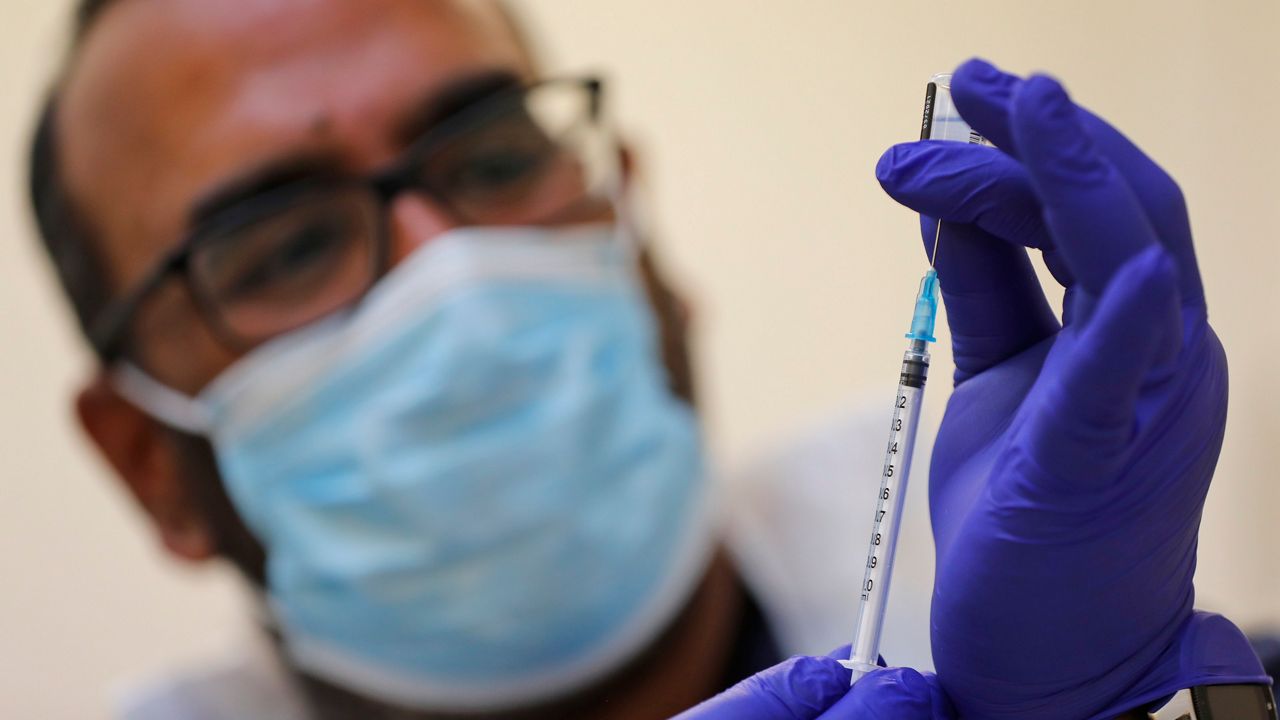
(817, 688)
(1071, 469)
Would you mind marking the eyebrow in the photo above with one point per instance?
(281, 172)
(264, 179)
(452, 98)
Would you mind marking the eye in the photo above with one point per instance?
(282, 261)
(500, 158)
(496, 171)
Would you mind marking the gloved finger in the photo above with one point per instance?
(995, 305)
(1132, 339)
(800, 688)
(984, 94)
(899, 693)
(969, 184)
(1162, 199)
(1092, 213)
(962, 183)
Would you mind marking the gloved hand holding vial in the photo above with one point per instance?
(1071, 468)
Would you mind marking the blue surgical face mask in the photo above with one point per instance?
(475, 489)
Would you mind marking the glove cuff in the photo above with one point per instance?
(1209, 650)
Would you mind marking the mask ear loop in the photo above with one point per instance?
(160, 401)
(631, 237)
(619, 190)
(628, 205)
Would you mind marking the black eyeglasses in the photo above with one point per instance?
(520, 156)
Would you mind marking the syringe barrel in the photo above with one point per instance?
(887, 522)
(941, 119)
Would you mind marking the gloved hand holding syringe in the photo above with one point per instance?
(941, 122)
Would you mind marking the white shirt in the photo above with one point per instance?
(800, 526)
(799, 523)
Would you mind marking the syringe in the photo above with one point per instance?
(941, 122)
(893, 481)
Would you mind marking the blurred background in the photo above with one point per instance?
(758, 126)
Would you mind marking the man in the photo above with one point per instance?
(267, 184)
(364, 291)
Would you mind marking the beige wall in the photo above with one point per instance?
(759, 124)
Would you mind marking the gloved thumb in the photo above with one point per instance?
(800, 688)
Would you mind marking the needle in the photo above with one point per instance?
(936, 236)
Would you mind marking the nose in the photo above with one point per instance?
(416, 219)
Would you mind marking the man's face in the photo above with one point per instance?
(172, 107)
(176, 105)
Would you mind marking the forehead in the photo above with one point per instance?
(167, 98)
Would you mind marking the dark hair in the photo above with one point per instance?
(67, 241)
(66, 233)
(86, 12)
